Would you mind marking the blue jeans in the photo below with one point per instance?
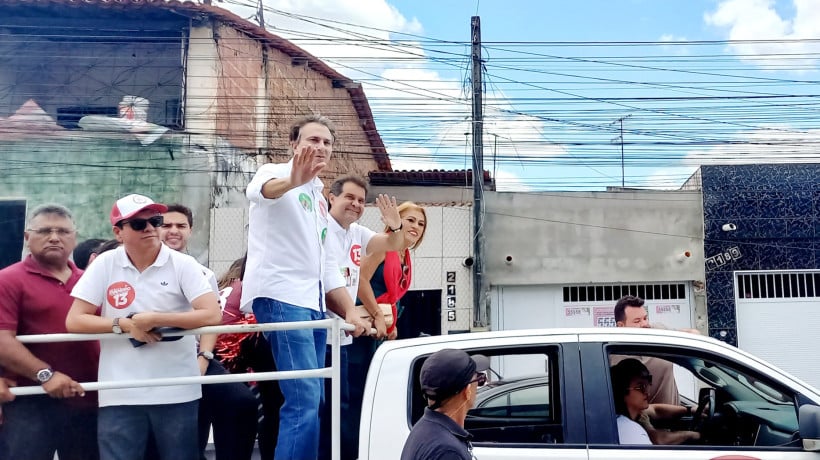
(37, 426)
(123, 431)
(295, 350)
(348, 431)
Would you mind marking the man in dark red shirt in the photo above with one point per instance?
(35, 295)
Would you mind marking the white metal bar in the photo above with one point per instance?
(171, 381)
(260, 327)
(335, 389)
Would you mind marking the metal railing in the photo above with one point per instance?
(333, 325)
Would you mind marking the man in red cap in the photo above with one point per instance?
(449, 380)
(137, 289)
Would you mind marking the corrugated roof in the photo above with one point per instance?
(191, 9)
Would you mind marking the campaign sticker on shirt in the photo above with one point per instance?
(356, 254)
(120, 295)
(306, 202)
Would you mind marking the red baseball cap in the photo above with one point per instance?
(130, 205)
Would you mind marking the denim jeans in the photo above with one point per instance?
(295, 350)
(347, 431)
(37, 426)
(123, 431)
(232, 410)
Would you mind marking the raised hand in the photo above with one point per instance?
(305, 167)
(389, 210)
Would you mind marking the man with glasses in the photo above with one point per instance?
(34, 299)
(449, 381)
(137, 289)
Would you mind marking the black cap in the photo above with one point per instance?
(448, 371)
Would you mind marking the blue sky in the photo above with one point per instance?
(553, 95)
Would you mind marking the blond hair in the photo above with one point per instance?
(403, 209)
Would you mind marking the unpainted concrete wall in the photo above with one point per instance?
(593, 237)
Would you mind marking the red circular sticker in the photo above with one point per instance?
(356, 254)
(120, 295)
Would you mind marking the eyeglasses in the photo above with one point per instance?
(47, 231)
(405, 278)
(642, 387)
(480, 378)
(140, 224)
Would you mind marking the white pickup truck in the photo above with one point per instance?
(549, 397)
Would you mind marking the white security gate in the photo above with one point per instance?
(778, 319)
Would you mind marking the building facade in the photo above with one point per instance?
(176, 100)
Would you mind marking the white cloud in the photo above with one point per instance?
(677, 44)
(508, 182)
(759, 20)
(774, 144)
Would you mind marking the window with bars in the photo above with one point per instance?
(611, 293)
(778, 285)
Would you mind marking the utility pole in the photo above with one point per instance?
(479, 313)
(620, 139)
(260, 13)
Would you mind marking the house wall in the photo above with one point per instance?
(776, 212)
(598, 237)
(73, 65)
(87, 174)
(296, 90)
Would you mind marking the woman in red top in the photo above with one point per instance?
(384, 278)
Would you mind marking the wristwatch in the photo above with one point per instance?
(116, 327)
(44, 375)
(394, 230)
(209, 355)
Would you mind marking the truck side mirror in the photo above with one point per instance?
(809, 422)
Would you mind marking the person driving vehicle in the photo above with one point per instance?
(631, 385)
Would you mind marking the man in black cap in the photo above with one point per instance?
(449, 380)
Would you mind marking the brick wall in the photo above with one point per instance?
(239, 76)
(293, 90)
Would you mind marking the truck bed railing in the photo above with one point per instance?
(334, 326)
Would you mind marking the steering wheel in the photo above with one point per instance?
(706, 405)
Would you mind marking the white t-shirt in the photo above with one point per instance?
(631, 432)
(344, 250)
(210, 276)
(285, 236)
(169, 285)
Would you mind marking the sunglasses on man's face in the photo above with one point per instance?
(140, 224)
(480, 379)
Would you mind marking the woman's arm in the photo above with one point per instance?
(365, 292)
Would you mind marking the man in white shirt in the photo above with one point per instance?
(230, 408)
(283, 276)
(136, 289)
(346, 243)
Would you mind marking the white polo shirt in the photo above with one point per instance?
(169, 285)
(344, 250)
(285, 242)
(631, 432)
